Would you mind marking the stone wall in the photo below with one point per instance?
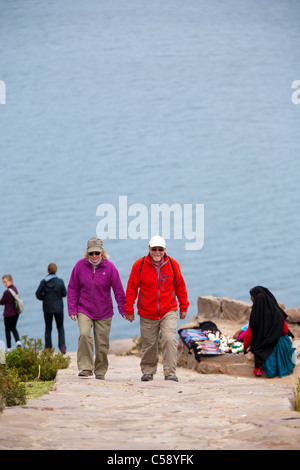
(293, 315)
(214, 308)
(233, 314)
(210, 308)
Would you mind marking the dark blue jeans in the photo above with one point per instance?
(59, 319)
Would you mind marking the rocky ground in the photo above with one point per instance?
(200, 412)
(218, 404)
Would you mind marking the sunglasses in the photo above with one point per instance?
(157, 249)
(92, 253)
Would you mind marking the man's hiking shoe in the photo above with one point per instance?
(146, 378)
(172, 377)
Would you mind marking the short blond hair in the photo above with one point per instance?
(7, 276)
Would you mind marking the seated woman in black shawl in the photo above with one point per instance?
(268, 335)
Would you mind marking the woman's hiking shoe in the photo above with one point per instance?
(146, 378)
(101, 377)
(85, 373)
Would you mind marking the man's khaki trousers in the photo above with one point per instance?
(85, 353)
(150, 336)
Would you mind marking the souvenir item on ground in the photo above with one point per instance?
(207, 340)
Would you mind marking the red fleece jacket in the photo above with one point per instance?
(156, 290)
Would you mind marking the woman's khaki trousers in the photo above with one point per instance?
(85, 353)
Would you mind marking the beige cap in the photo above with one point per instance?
(94, 244)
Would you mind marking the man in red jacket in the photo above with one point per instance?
(157, 280)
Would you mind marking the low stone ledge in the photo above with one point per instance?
(236, 310)
(293, 315)
(214, 308)
(209, 307)
(121, 346)
(229, 364)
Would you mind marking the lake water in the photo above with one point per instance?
(164, 103)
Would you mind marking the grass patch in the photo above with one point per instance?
(38, 388)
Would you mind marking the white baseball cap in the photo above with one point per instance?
(157, 241)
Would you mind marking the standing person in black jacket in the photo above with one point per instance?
(51, 291)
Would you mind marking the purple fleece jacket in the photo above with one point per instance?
(89, 290)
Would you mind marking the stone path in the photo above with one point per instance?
(123, 413)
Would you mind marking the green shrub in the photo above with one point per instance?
(25, 359)
(2, 402)
(32, 361)
(50, 363)
(13, 390)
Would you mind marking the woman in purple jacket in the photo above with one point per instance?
(10, 314)
(90, 302)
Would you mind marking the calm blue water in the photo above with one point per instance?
(163, 102)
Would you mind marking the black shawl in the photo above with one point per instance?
(266, 322)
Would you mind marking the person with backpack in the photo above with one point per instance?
(156, 280)
(10, 313)
(51, 292)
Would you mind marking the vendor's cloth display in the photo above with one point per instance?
(207, 340)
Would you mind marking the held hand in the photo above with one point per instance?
(182, 315)
(73, 317)
(129, 317)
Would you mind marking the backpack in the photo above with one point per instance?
(19, 304)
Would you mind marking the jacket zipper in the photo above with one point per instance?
(163, 279)
(158, 274)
